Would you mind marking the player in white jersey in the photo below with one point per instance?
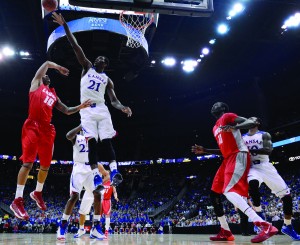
(261, 170)
(81, 176)
(97, 120)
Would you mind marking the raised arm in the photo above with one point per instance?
(240, 123)
(114, 100)
(115, 193)
(71, 110)
(267, 145)
(85, 63)
(71, 135)
(41, 72)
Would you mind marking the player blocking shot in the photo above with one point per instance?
(38, 135)
(81, 176)
(96, 121)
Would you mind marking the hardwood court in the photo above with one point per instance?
(174, 239)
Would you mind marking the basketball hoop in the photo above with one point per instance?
(135, 24)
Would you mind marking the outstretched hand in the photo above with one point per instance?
(198, 149)
(85, 104)
(127, 110)
(64, 71)
(58, 18)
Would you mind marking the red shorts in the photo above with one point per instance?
(105, 207)
(232, 175)
(37, 139)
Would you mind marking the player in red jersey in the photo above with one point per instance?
(38, 135)
(231, 177)
(106, 201)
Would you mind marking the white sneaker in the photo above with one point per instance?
(97, 233)
(80, 233)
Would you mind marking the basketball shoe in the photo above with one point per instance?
(223, 235)
(61, 231)
(267, 230)
(98, 182)
(37, 197)
(116, 177)
(289, 231)
(80, 233)
(106, 234)
(97, 233)
(17, 207)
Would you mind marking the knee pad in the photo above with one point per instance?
(254, 192)
(217, 204)
(107, 144)
(93, 151)
(287, 205)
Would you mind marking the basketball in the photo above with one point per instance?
(49, 5)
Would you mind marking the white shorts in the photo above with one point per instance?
(81, 176)
(96, 122)
(86, 203)
(267, 173)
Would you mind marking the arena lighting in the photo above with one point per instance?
(153, 62)
(24, 53)
(292, 22)
(7, 51)
(199, 60)
(169, 61)
(212, 41)
(205, 51)
(189, 65)
(222, 29)
(201, 55)
(1, 56)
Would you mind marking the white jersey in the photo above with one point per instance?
(92, 86)
(80, 150)
(255, 141)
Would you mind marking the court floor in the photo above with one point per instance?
(174, 239)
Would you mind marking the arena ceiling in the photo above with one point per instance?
(254, 68)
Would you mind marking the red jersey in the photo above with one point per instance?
(41, 103)
(108, 190)
(229, 142)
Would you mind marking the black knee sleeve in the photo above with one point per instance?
(287, 205)
(254, 192)
(108, 147)
(93, 152)
(217, 204)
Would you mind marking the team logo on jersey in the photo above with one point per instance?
(100, 78)
(248, 142)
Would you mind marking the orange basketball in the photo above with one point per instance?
(49, 5)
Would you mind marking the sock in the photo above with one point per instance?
(39, 186)
(81, 227)
(238, 201)
(19, 191)
(65, 217)
(113, 166)
(107, 223)
(224, 223)
(96, 217)
(287, 221)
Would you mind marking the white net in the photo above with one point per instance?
(135, 26)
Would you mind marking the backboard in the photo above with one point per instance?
(193, 8)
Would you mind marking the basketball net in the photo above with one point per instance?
(135, 26)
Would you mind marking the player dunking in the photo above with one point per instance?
(81, 176)
(38, 135)
(261, 170)
(96, 121)
(231, 177)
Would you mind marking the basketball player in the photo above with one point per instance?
(261, 170)
(82, 176)
(96, 121)
(231, 177)
(86, 204)
(38, 135)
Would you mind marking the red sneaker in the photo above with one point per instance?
(37, 197)
(17, 207)
(267, 230)
(223, 235)
(106, 234)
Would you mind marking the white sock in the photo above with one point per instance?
(81, 227)
(97, 217)
(224, 223)
(238, 201)
(19, 191)
(107, 223)
(258, 209)
(113, 166)
(39, 186)
(287, 221)
(65, 217)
